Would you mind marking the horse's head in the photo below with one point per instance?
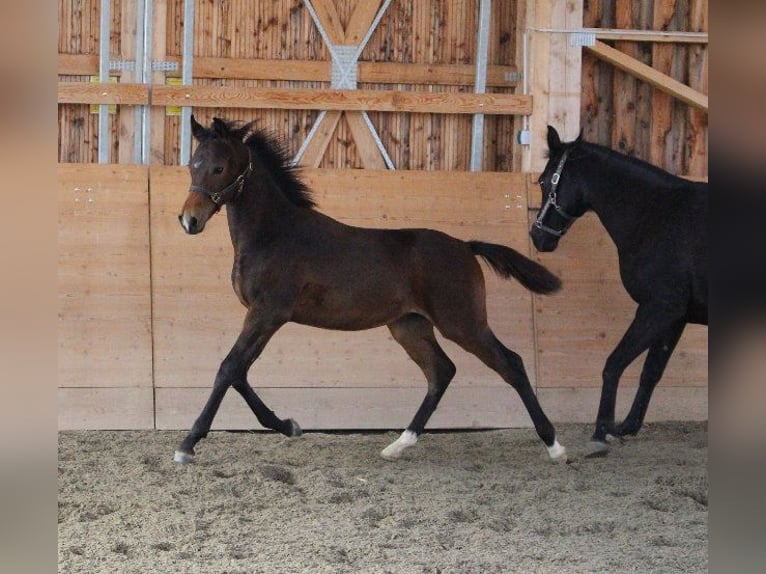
(219, 167)
(562, 194)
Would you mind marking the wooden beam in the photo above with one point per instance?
(83, 93)
(314, 153)
(365, 143)
(625, 35)
(360, 22)
(312, 71)
(359, 100)
(650, 75)
(328, 16)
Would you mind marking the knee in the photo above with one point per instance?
(229, 374)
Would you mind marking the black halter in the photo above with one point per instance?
(222, 196)
(551, 203)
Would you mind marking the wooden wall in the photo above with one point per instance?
(147, 313)
(630, 115)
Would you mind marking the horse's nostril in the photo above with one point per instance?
(193, 222)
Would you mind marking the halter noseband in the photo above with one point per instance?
(551, 203)
(222, 196)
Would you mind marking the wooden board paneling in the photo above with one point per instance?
(350, 408)
(105, 408)
(103, 273)
(197, 316)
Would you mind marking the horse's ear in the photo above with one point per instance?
(197, 129)
(554, 141)
(220, 127)
(579, 137)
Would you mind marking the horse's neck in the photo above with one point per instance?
(258, 211)
(621, 204)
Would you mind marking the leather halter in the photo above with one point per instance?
(222, 196)
(551, 203)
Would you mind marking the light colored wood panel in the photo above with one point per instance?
(434, 74)
(84, 93)
(103, 272)
(339, 408)
(105, 409)
(579, 405)
(323, 99)
(197, 316)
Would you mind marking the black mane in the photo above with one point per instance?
(269, 151)
(274, 155)
(633, 167)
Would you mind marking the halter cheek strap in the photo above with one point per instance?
(222, 196)
(551, 202)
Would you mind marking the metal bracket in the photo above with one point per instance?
(162, 66)
(582, 38)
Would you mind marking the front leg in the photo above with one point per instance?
(255, 333)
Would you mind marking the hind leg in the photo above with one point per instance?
(416, 334)
(511, 368)
(654, 366)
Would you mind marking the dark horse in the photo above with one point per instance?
(659, 224)
(292, 263)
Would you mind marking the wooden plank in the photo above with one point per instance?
(328, 16)
(360, 100)
(197, 317)
(312, 71)
(317, 147)
(159, 51)
(360, 22)
(126, 129)
(350, 408)
(661, 128)
(626, 35)
(365, 143)
(624, 89)
(85, 93)
(77, 64)
(105, 409)
(697, 137)
(579, 405)
(103, 277)
(650, 75)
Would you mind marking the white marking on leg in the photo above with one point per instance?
(396, 448)
(556, 451)
(182, 457)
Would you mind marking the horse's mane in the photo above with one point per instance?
(271, 153)
(632, 167)
(274, 155)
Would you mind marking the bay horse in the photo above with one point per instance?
(293, 263)
(659, 224)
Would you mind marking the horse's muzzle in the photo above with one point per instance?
(190, 224)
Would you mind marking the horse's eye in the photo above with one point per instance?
(217, 170)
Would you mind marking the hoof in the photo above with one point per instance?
(596, 448)
(396, 448)
(295, 429)
(183, 457)
(557, 452)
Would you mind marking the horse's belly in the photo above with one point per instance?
(346, 311)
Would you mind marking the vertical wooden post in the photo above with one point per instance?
(128, 39)
(554, 74)
(159, 51)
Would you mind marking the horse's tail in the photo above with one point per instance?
(508, 263)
